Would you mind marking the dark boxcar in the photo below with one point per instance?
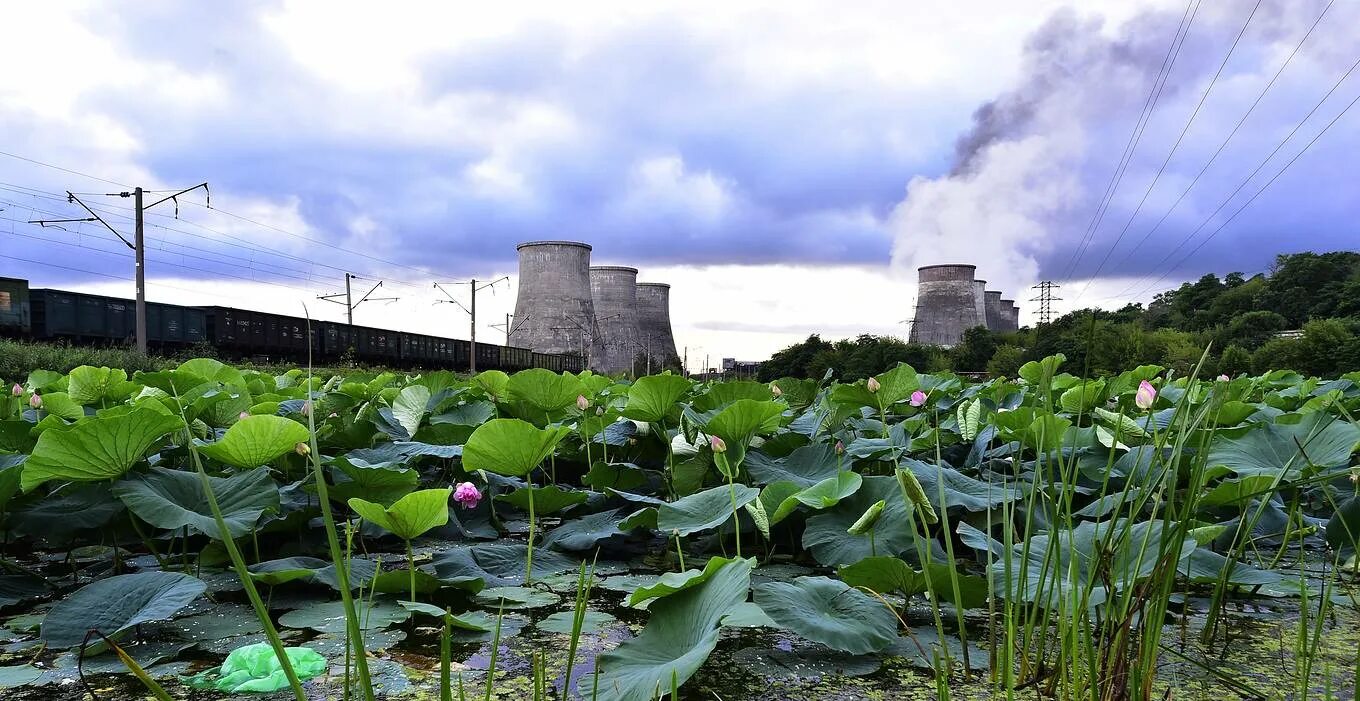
(488, 357)
(15, 315)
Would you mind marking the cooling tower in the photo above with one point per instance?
(554, 311)
(654, 323)
(1008, 315)
(1015, 317)
(614, 289)
(980, 299)
(995, 316)
(947, 304)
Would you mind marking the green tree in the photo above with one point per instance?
(1006, 361)
(973, 352)
(1234, 361)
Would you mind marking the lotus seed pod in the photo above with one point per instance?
(302, 449)
(914, 493)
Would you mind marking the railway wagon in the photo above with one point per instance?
(15, 318)
(516, 358)
(245, 332)
(85, 318)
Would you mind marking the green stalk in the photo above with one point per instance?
(495, 649)
(736, 522)
(445, 645)
(411, 568)
(529, 554)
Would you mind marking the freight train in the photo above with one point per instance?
(84, 319)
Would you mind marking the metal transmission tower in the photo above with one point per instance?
(138, 243)
(471, 311)
(1046, 300)
(349, 303)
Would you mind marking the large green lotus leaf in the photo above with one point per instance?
(289, 569)
(1343, 529)
(174, 499)
(381, 483)
(256, 440)
(1238, 490)
(543, 389)
(722, 394)
(702, 510)
(18, 588)
(888, 574)
(681, 633)
(498, 564)
(651, 398)
(18, 675)
(510, 446)
(897, 384)
(584, 532)
(672, 582)
(75, 508)
(411, 515)
(118, 603)
(618, 475)
(829, 612)
(823, 495)
(515, 598)
(741, 421)
(214, 370)
(471, 414)
(1205, 566)
(493, 382)
(11, 473)
(410, 407)
(62, 405)
(96, 449)
(329, 616)
(959, 489)
(227, 409)
(547, 500)
(826, 533)
(1274, 449)
(806, 465)
(88, 385)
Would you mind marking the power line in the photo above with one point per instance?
(1174, 147)
(1232, 133)
(1145, 115)
(1259, 167)
(64, 170)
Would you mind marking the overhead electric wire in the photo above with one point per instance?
(1145, 115)
(1232, 133)
(1259, 167)
(1170, 154)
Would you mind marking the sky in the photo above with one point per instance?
(784, 166)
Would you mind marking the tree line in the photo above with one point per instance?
(1244, 321)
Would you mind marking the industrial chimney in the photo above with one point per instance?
(654, 324)
(947, 304)
(996, 317)
(614, 289)
(554, 311)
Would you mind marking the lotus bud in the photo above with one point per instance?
(467, 495)
(774, 389)
(302, 449)
(718, 444)
(914, 493)
(918, 398)
(872, 385)
(582, 403)
(840, 448)
(307, 408)
(17, 390)
(35, 401)
(1224, 378)
(1145, 396)
(1355, 475)
(243, 416)
(867, 521)
(599, 411)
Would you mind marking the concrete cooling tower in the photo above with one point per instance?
(1009, 315)
(980, 299)
(996, 317)
(1015, 317)
(554, 310)
(654, 323)
(614, 289)
(948, 302)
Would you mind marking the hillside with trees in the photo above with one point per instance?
(1240, 319)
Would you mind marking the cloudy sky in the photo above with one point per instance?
(785, 166)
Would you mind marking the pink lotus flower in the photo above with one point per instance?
(872, 385)
(582, 403)
(840, 448)
(466, 494)
(244, 415)
(17, 390)
(1145, 396)
(717, 444)
(918, 398)
(35, 401)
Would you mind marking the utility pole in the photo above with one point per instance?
(349, 303)
(471, 311)
(1046, 300)
(138, 244)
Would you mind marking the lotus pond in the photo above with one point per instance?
(546, 536)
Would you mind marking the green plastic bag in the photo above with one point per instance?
(255, 668)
